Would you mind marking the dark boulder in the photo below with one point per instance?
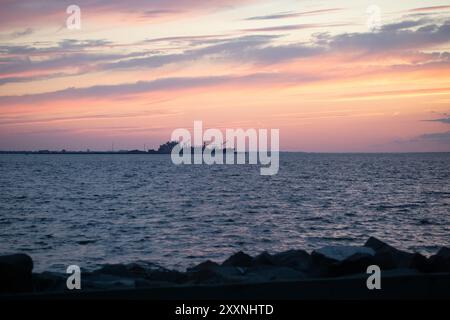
(16, 273)
(320, 265)
(354, 264)
(340, 253)
(264, 259)
(440, 262)
(205, 276)
(215, 274)
(210, 272)
(207, 265)
(49, 281)
(142, 270)
(324, 261)
(167, 276)
(296, 259)
(239, 259)
(299, 260)
(420, 263)
(272, 273)
(388, 257)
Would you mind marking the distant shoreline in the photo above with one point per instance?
(80, 152)
(140, 152)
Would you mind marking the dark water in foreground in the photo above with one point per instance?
(95, 209)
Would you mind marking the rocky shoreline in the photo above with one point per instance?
(294, 266)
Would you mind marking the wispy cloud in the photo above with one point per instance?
(438, 136)
(445, 120)
(50, 11)
(101, 116)
(93, 55)
(295, 27)
(21, 33)
(392, 37)
(428, 9)
(285, 15)
(106, 91)
(165, 84)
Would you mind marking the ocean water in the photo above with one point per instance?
(95, 209)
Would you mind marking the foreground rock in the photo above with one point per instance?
(388, 257)
(240, 268)
(440, 262)
(16, 273)
(341, 260)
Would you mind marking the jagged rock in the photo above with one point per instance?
(16, 273)
(354, 264)
(325, 260)
(295, 259)
(440, 262)
(210, 272)
(340, 253)
(264, 259)
(205, 276)
(239, 259)
(388, 257)
(215, 275)
(320, 265)
(208, 264)
(272, 273)
(420, 263)
(376, 244)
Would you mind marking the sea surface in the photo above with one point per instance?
(91, 210)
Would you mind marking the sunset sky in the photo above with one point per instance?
(138, 69)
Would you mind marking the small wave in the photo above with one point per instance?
(426, 222)
(384, 207)
(85, 242)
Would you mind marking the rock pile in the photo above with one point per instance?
(328, 262)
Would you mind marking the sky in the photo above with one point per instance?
(332, 76)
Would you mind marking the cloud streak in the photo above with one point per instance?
(165, 84)
(286, 15)
(445, 120)
(431, 8)
(54, 11)
(295, 27)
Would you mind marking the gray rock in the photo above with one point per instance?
(340, 253)
(295, 259)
